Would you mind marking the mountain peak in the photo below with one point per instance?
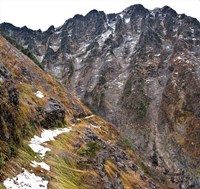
(51, 28)
(168, 10)
(77, 16)
(93, 12)
(137, 8)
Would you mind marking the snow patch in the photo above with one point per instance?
(86, 55)
(157, 55)
(43, 165)
(39, 149)
(180, 36)
(121, 15)
(40, 58)
(127, 20)
(94, 126)
(78, 64)
(152, 13)
(70, 33)
(25, 180)
(109, 60)
(87, 117)
(112, 26)
(46, 135)
(57, 71)
(39, 94)
(54, 47)
(120, 84)
(163, 26)
(58, 32)
(103, 37)
(78, 60)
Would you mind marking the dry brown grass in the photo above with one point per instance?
(40, 81)
(110, 169)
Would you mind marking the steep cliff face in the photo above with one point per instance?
(138, 69)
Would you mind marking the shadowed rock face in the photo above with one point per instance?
(138, 69)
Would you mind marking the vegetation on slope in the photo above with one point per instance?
(25, 51)
(21, 112)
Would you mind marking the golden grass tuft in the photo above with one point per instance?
(65, 172)
(110, 169)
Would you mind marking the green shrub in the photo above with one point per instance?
(90, 149)
(2, 160)
(141, 109)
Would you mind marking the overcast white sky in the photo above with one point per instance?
(40, 14)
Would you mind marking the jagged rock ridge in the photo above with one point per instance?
(139, 69)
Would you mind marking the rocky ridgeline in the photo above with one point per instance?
(138, 69)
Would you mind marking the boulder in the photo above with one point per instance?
(52, 114)
(4, 73)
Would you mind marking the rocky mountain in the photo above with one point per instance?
(91, 153)
(140, 70)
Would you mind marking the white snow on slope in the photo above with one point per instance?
(39, 148)
(121, 15)
(25, 180)
(127, 20)
(46, 135)
(103, 37)
(28, 180)
(58, 32)
(39, 94)
(112, 26)
(94, 126)
(54, 47)
(43, 165)
(87, 117)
